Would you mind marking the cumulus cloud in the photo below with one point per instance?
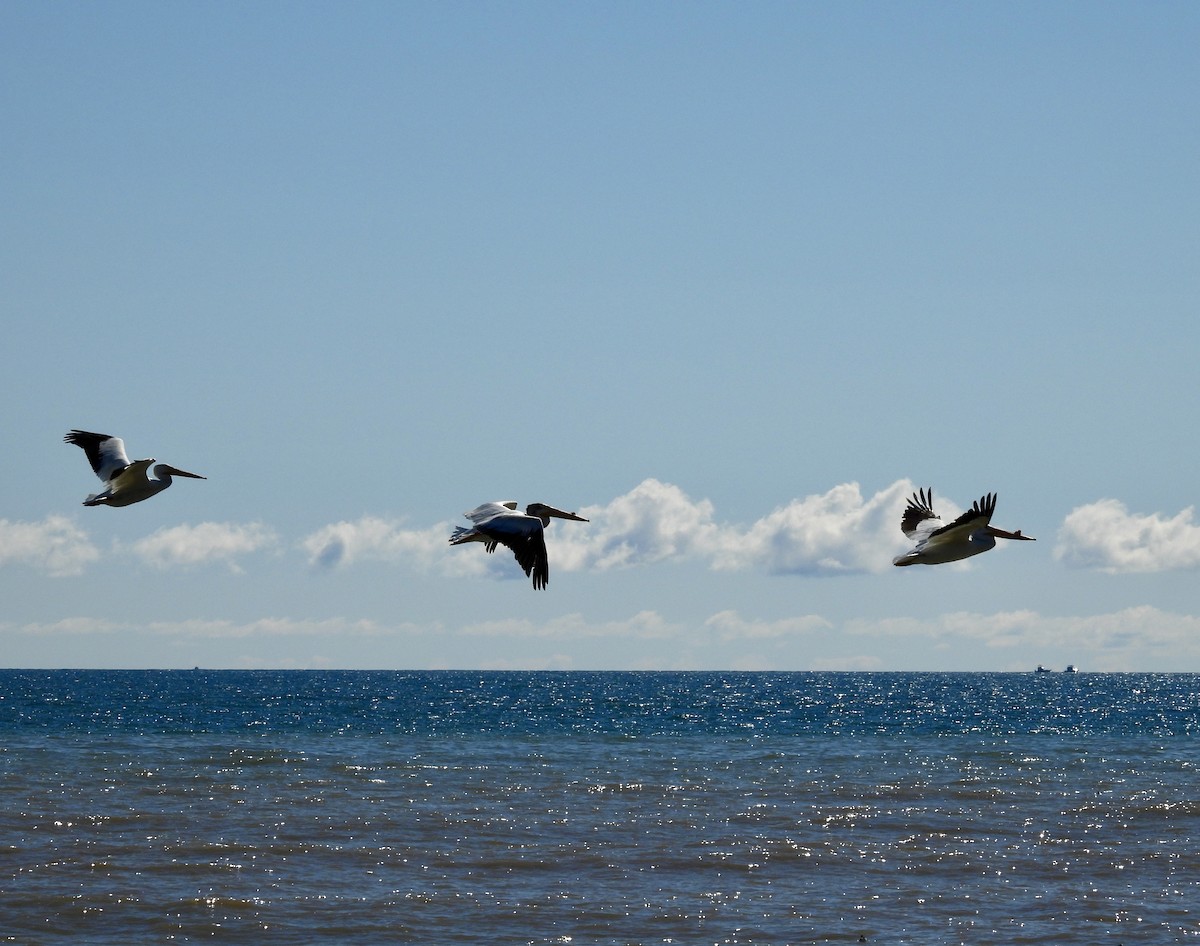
(203, 543)
(833, 533)
(653, 522)
(1104, 535)
(55, 545)
(373, 539)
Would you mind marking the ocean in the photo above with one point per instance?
(149, 807)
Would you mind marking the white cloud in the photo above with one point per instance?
(646, 625)
(653, 522)
(730, 625)
(1003, 629)
(837, 532)
(55, 545)
(203, 543)
(271, 627)
(1104, 535)
(834, 533)
(1132, 638)
(374, 539)
(77, 626)
(211, 629)
(1142, 629)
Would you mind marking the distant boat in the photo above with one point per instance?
(1042, 669)
(1070, 669)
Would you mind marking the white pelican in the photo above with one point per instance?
(523, 532)
(967, 535)
(127, 482)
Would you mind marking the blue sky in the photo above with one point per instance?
(729, 279)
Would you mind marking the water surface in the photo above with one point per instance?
(453, 807)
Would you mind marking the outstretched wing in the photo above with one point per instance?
(479, 515)
(978, 516)
(106, 454)
(463, 535)
(528, 545)
(919, 518)
(485, 512)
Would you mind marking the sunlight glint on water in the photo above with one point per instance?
(149, 807)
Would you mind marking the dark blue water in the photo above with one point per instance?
(359, 807)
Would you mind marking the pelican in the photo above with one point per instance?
(127, 482)
(967, 535)
(522, 532)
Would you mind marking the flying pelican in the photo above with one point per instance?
(523, 532)
(967, 535)
(127, 482)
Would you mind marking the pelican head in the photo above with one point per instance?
(164, 472)
(544, 512)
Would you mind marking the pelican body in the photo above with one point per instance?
(127, 482)
(521, 532)
(969, 534)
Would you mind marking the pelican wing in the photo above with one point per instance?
(479, 515)
(524, 537)
(488, 510)
(106, 454)
(978, 516)
(462, 535)
(954, 540)
(919, 519)
(967, 535)
(134, 476)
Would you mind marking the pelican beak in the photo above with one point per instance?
(1001, 534)
(544, 512)
(177, 472)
